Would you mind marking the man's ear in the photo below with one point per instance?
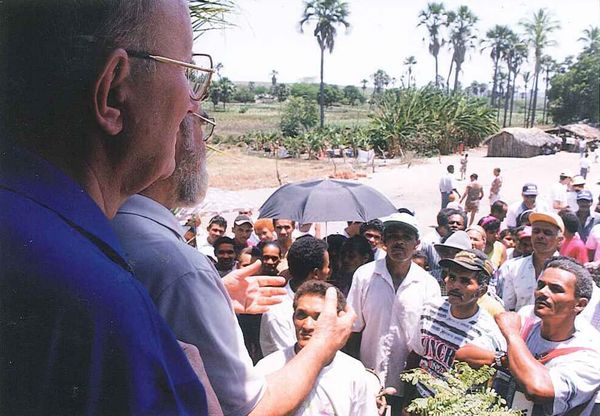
(108, 92)
(580, 305)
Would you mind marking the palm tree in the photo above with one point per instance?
(218, 69)
(433, 19)
(516, 55)
(591, 39)
(327, 14)
(380, 79)
(274, 78)
(548, 65)
(537, 32)
(496, 39)
(462, 37)
(207, 15)
(526, 78)
(364, 83)
(410, 62)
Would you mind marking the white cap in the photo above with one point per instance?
(402, 219)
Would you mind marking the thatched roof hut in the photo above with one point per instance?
(521, 142)
(579, 130)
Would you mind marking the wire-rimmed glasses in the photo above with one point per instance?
(208, 124)
(198, 72)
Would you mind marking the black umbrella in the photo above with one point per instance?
(326, 200)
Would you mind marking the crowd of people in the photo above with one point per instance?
(110, 306)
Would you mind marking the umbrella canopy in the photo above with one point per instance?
(326, 200)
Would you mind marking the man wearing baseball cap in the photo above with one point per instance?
(388, 296)
(529, 202)
(450, 324)
(242, 229)
(519, 277)
(587, 218)
(558, 192)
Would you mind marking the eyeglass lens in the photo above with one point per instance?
(200, 80)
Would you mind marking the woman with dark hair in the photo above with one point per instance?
(494, 249)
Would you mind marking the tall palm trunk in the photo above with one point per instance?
(545, 109)
(507, 96)
(512, 100)
(495, 82)
(449, 73)
(456, 72)
(534, 100)
(322, 88)
(525, 108)
(437, 82)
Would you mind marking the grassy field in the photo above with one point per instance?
(235, 167)
(238, 119)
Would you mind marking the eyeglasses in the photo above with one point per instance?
(198, 72)
(208, 124)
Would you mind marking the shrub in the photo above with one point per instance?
(299, 116)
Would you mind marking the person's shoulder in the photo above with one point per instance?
(364, 272)
(274, 361)
(349, 363)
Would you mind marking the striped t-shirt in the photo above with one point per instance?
(439, 335)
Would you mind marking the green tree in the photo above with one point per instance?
(243, 95)
(364, 83)
(274, 78)
(497, 40)
(327, 14)
(227, 89)
(299, 116)
(575, 94)
(591, 39)
(352, 95)
(537, 32)
(380, 80)
(433, 19)
(515, 55)
(462, 37)
(410, 62)
(332, 95)
(282, 92)
(307, 91)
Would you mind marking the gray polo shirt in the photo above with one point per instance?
(189, 294)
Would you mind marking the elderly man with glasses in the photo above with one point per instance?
(85, 124)
(199, 305)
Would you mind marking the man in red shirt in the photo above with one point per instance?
(572, 246)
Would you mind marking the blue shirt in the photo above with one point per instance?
(78, 334)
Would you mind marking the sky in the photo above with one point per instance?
(265, 36)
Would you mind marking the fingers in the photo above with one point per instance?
(248, 270)
(330, 307)
(270, 280)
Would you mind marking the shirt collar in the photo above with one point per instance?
(33, 177)
(382, 271)
(148, 208)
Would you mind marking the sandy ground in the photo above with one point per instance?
(416, 186)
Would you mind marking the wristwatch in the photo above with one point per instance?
(498, 356)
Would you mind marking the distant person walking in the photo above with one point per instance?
(463, 166)
(495, 187)
(447, 185)
(584, 166)
(473, 194)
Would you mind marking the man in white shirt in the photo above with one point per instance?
(307, 259)
(388, 296)
(341, 388)
(518, 277)
(556, 362)
(447, 185)
(216, 228)
(558, 192)
(529, 202)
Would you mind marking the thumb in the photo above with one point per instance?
(330, 307)
(248, 270)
